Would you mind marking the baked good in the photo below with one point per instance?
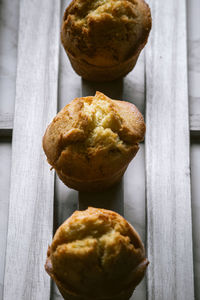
(92, 140)
(96, 255)
(103, 38)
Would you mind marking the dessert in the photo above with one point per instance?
(92, 140)
(103, 38)
(96, 254)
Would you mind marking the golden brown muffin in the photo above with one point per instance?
(103, 38)
(92, 140)
(96, 255)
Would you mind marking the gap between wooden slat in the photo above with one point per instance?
(30, 222)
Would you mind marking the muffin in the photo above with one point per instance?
(103, 38)
(96, 255)
(92, 140)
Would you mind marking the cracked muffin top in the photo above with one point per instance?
(93, 137)
(97, 253)
(105, 32)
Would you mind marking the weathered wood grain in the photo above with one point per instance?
(193, 24)
(6, 124)
(9, 17)
(195, 175)
(5, 166)
(170, 274)
(30, 222)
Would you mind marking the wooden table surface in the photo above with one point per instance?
(160, 192)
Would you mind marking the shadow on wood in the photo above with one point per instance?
(112, 199)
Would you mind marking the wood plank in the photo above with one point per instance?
(193, 22)
(170, 274)
(30, 222)
(5, 166)
(6, 124)
(9, 18)
(195, 175)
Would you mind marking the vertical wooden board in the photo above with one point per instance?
(30, 222)
(170, 274)
(193, 18)
(5, 166)
(9, 18)
(195, 172)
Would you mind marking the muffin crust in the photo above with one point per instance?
(91, 141)
(96, 254)
(107, 35)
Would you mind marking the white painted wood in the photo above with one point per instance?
(9, 17)
(67, 199)
(170, 274)
(193, 25)
(30, 221)
(5, 166)
(195, 172)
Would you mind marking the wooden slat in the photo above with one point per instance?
(170, 274)
(6, 124)
(32, 184)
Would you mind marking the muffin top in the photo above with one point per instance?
(93, 136)
(96, 252)
(105, 32)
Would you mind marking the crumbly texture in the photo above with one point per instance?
(105, 34)
(91, 141)
(96, 254)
